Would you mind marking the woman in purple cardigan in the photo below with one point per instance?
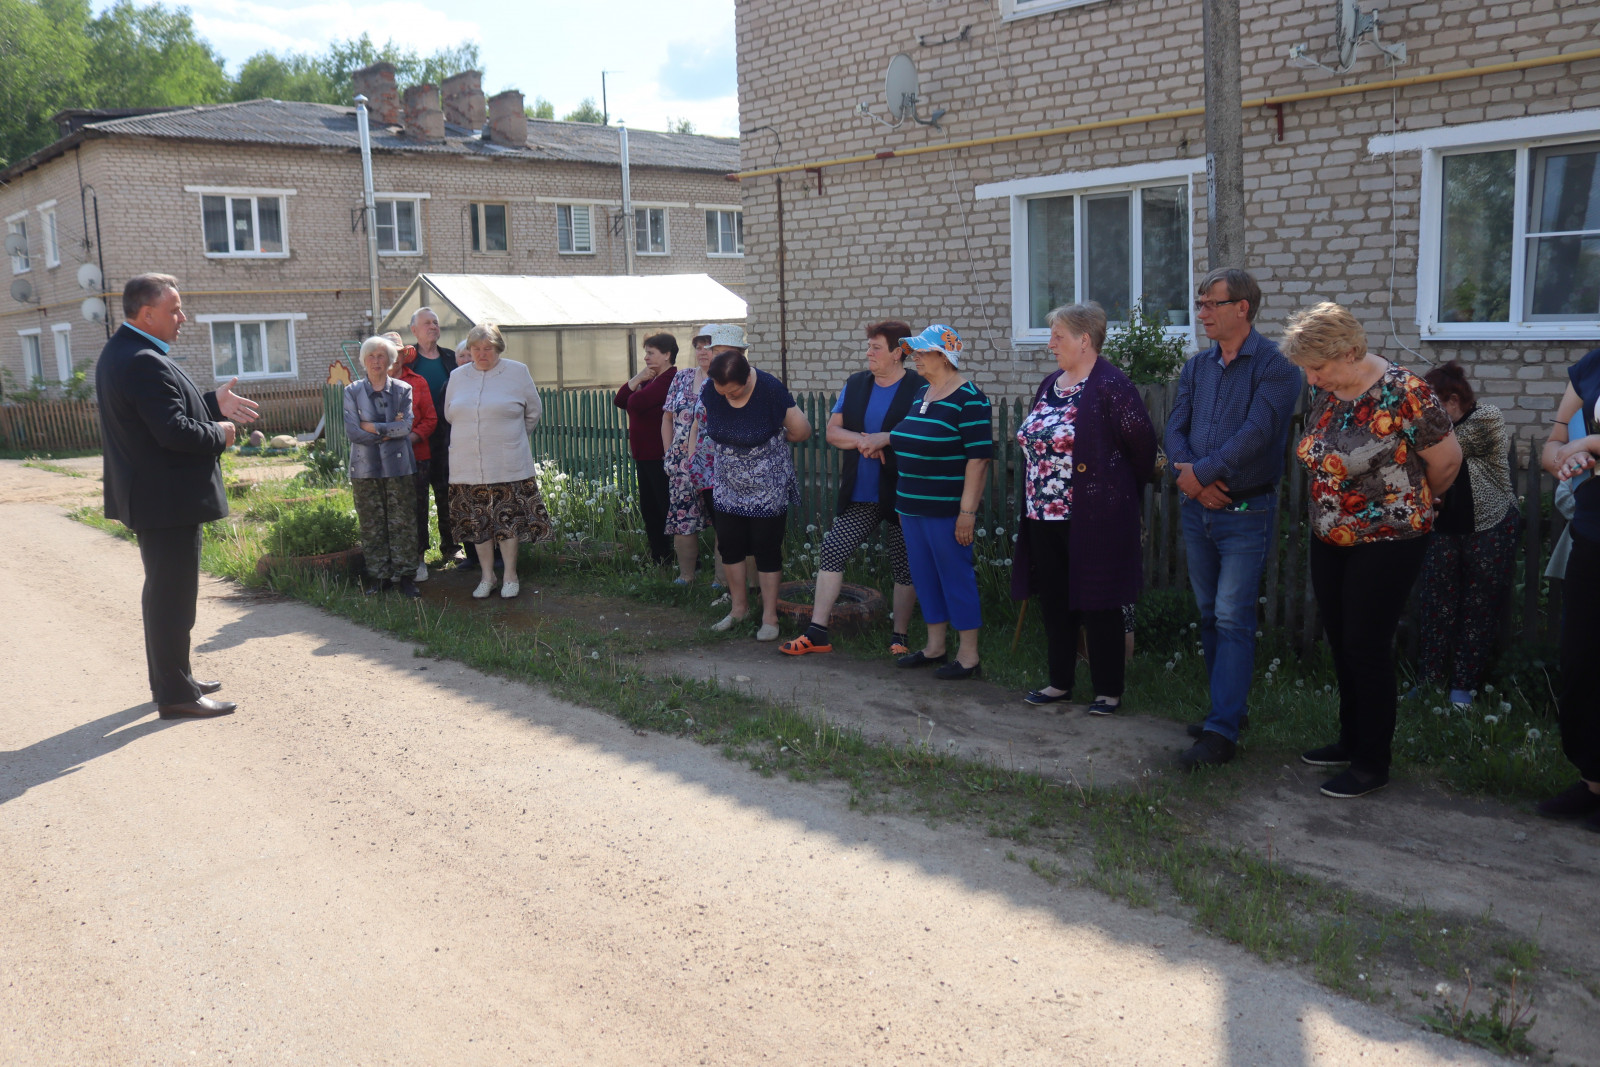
(1087, 446)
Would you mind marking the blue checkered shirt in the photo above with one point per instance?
(1232, 422)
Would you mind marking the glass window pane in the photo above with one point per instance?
(270, 212)
(1164, 247)
(405, 225)
(63, 339)
(713, 245)
(244, 227)
(474, 210)
(1052, 266)
(32, 365)
(250, 355)
(1567, 193)
(1475, 237)
(385, 231)
(494, 227)
(582, 230)
(214, 213)
(278, 347)
(52, 240)
(725, 228)
(224, 356)
(1107, 251)
(1565, 280)
(738, 232)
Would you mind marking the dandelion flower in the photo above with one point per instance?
(1442, 989)
(594, 655)
(1505, 705)
(1277, 661)
(1533, 734)
(1299, 683)
(1488, 689)
(983, 533)
(1491, 720)
(1261, 600)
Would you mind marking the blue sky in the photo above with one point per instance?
(672, 59)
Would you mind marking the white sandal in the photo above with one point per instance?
(485, 587)
(725, 624)
(510, 589)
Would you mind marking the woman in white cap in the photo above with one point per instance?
(945, 444)
(751, 419)
(688, 466)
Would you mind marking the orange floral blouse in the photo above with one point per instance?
(1368, 481)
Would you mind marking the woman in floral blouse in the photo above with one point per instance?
(1089, 446)
(688, 467)
(1380, 450)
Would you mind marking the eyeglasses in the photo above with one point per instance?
(1212, 305)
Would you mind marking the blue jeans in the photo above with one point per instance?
(1227, 552)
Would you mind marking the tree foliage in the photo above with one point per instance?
(325, 78)
(585, 112)
(540, 109)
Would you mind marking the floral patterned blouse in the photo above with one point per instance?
(1046, 437)
(683, 401)
(1368, 480)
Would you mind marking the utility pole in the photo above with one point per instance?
(1225, 246)
(371, 206)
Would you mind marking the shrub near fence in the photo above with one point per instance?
(586, 436)
(74, 425)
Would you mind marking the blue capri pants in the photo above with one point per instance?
(941, 571)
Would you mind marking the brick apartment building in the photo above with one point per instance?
(257, 209)
(1460, 218)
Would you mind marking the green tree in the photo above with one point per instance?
(585, 112)
(679, 126)
(325, 78)
(150, 57)
(541, 109)
(266, 76)
(42, 62)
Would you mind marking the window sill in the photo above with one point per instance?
(653, 255)
(1447, 332)
(247, 255)
(590, 252)
(257, 377)
(1012, 10)
(385, 255)
(724, 255)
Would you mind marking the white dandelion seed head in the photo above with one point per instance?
(1491, 720)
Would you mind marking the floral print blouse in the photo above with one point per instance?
(1368, 480)
(1046, 437)
(683, 402)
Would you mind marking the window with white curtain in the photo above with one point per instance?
(252, 346)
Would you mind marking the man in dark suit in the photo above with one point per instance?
(162, 439)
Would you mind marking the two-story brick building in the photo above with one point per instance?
(1453, 201)
(257, 209)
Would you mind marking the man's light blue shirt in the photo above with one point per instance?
(163, 346)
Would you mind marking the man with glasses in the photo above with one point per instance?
(1226, 441)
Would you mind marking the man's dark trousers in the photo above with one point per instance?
(171, 556)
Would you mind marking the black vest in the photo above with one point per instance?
(857, 390)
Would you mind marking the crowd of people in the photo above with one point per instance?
(1409, 479)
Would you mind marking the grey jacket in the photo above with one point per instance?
(387, 453)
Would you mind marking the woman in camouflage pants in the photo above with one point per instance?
(377, 420)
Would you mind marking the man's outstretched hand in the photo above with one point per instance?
(235, 407)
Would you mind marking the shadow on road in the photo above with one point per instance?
(58, 756)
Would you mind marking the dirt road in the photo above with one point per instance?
(385, 859)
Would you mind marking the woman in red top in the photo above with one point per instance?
(643, 396)
(425, 419)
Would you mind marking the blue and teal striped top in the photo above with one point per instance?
(933, 443)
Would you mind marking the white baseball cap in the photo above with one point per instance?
(726, 334)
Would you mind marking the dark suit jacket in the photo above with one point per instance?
(160, 438)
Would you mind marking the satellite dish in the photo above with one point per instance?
(94, 309)
(17, 244)
(900, 87)
(90, 278)
(1346, 30)
(22, 291)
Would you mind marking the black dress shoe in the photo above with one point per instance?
(1197, 728)
(1212, 750)
(199, 708)
(207, 688)
(955, 672)
(920, 658)
(1039, 696)
(408, 587)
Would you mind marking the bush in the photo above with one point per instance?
(1144, 351)
(314, 530)
(324, 467)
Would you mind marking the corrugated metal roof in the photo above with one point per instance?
(520, 300)
(290, 123)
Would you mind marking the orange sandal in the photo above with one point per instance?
(801, 645)
(897, 649)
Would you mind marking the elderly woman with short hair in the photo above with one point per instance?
(1380, 451)
(378, 421)
(492, 406)
(1087, 448)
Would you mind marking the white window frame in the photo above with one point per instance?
(734, 209)
(1080, 184)
(255, 195)
(1523, 135)
(61, 338)
(476, 207)
(1010, 10)
(666, 229)
(50, 231)
(416, 199)
(36, 335)
(18, 223)
(289, 317)
(570, 207)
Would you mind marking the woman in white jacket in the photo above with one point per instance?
(492, 406)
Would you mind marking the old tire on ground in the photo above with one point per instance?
(857, 606)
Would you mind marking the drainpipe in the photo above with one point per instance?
(783, 300)
(627, 198)
(371, 206)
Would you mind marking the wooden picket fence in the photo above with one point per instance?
(74, 425)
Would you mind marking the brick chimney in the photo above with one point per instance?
(424, 120)
(508, 122)
(463, 99)
(376, 83)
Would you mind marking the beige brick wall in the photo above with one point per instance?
(905, 237)
(148, 222)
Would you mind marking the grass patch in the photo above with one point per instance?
(54, 468)
(34, 453)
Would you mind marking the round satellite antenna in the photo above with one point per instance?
(17, 244)
(900, 87)
(90, 278)
(22, 291)
(1345, 31)
(94, 309)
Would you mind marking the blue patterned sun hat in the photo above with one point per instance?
(936, 338)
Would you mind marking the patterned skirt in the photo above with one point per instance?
(499, 511)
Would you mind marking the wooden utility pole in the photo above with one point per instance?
(1225, 246)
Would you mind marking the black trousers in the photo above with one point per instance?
(653, 503)
(423, 478)
(1361, 591)
(439, 480)
(1579, 706)
(1049, 548)
(171, 556)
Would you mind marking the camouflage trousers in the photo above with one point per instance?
(387, 509)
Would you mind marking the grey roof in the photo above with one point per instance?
(294, 124)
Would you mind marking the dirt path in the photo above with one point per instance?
(383, 859)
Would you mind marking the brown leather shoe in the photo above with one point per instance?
(201, 708)
(207, 688)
